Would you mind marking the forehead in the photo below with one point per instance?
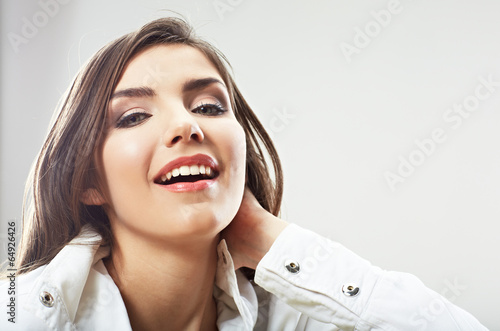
(163, 64)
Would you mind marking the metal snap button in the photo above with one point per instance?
(350, 290)
(46, 299)
(292, 266)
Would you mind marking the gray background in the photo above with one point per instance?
(348, 122)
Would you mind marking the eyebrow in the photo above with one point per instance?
(134, 92)
(198, 84)
(144, 91)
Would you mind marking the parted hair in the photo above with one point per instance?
(66, 166)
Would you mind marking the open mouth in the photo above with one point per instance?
(187, 174)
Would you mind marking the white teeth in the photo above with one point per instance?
(194, 169)
(188, 170)
(185, 171)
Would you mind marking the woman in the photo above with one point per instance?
(152, 208)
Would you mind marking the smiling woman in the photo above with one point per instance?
(152, 191)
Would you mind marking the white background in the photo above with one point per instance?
(349, 119)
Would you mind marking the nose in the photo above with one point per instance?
(182, 128)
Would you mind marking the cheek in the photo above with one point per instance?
(235, 147)
(231, 146)
(125, 160)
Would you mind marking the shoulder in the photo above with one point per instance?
(14, 284)
(14, 294)
(49, 295)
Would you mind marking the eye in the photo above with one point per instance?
(133, 119)
(209, 109)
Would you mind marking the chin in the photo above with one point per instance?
(196, 218)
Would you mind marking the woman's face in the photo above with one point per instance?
(173, 160)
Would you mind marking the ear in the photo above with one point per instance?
(92, 197)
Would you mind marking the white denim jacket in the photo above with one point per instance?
(305, 282)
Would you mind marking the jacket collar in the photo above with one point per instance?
(237, 302)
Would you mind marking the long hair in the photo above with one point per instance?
(53, 213)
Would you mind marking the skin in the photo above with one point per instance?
(164, 254)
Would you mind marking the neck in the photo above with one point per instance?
(166, 286)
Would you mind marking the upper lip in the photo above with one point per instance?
(197, 159)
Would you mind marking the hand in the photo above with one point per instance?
(251, 233)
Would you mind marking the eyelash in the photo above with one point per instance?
(122, 122)
(217, 106)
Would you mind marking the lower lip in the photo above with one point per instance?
(190, 187)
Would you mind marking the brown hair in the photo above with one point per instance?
(65, 168)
